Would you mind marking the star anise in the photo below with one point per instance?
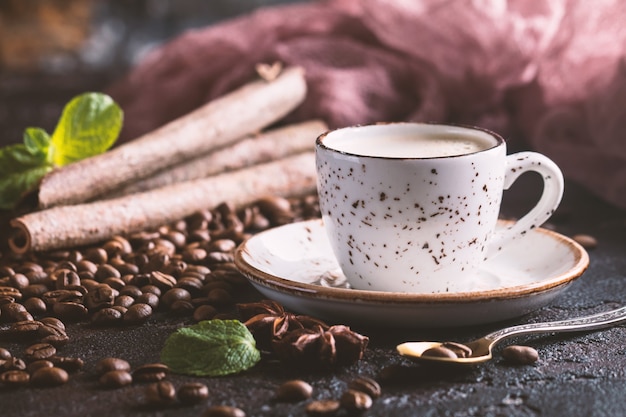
(267, 320)
(337, 345)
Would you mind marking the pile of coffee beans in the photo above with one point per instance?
(39, 366)
(183, 269)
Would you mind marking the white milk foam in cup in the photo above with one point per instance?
(399, 144)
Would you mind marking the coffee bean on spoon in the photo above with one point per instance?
(461, 350)
(440, 352)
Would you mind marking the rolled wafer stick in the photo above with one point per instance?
(263, 147)
(216, 124)
(70, 226)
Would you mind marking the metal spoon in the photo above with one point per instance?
(481, 348)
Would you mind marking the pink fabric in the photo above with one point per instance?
(550, 72)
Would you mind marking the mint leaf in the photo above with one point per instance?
(211, 348)
(36, 140)
(89, 125)
(21, 168)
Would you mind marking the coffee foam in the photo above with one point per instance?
(401, 143)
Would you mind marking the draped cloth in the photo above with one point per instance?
(548, 73)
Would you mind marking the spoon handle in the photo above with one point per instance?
(595, 321)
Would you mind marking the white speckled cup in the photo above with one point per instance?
(412, 207)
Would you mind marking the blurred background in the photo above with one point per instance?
(51, 50)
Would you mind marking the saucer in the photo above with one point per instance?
(294, 265)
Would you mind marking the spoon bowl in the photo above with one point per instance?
(480, 350)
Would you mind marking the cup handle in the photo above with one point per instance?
(553, 186)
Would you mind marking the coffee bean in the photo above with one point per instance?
(218, 258)
(70, 364)
(23, 330)
(115, 379)
(14, 378)
(152, 289)
(13, 364)
(520, 355)
(161, 393)
(223, 411)
(35, 306)
(191, 284)
(108, 316)
(461, 350)
(64, 295)
(14, 312)
(10, 292)
(86, 265)
(111, 364)
(117, 283)
(96, 255)
(586, 241)
(162, 280)
(323, 408)
(100, 297)
(366, 385)
(34, 290)
(148, 298)
(105, 271)
(4, 354)
(176, 237)
(193, 393)
(56, 340)
(65, 263)
(53, 322)
(121, 309)
(276, 209)
(175, 294)
(117, 246)
(70, 311)
(204, 312)
(199, 271)
(124, 301)
(64, 278)
(219, 297)
(27, 266)
(5, 300)
(42, 363)
(355, 401)
(152, 372)
(131, 291)
(293, 391)
(6, 271)
(222, 246)
(137, 314)
(164, 246)
(19, 281)
(182, 307)
(49, 377)
(39, 351)
(194, 255)
(440, 352)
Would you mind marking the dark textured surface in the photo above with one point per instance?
(577, 374)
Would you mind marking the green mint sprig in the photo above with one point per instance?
(89, 125)
(211, 348)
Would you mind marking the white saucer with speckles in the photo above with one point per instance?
(294, 265)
